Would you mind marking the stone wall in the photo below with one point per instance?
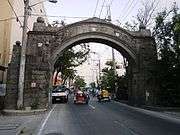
(12, 78)
(37, 72)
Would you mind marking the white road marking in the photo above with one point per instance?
(92, 107)
(44, 122)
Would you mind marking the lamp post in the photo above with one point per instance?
(23, 51)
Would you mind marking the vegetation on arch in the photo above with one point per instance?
(70, 59)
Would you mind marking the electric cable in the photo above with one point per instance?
(15, 14)
(75, 17)
(129, 10)
(96, 8)
(101, 8)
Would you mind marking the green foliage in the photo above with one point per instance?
(122, 92)
(108, 78)
(79, 82)
(167, 35)
(35, 102)
(93, 85)
(70, 59)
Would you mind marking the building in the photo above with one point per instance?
(11, 21)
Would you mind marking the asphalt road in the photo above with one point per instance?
(107, 118)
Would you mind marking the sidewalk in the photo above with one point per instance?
(173, 116)
(14, 125)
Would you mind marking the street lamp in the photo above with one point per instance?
(23, 51)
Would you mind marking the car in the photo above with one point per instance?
(103, 95)
(60, 94)
(81, 97)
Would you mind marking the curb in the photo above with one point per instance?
(22, 112)
(161, 109)
(152, 113)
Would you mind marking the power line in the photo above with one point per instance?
(96, 7)
(126, 5)
(11, 18)
(15, 13)
(108, 14)
(130, 10)
(75, 17)
(101, 8)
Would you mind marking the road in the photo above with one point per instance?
(107, 118)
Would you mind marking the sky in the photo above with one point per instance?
(121, 11)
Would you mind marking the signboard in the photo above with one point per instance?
(33, 85)
(2, 89)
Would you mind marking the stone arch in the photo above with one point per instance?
(45, 43)
(98, 38)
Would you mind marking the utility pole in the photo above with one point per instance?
(113, 55)
(114, 69)
(23, 56)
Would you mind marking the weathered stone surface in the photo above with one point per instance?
(12, 78)
(46, 43)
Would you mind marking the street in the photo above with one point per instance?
(105, 118)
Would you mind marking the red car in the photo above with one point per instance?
(81, 97)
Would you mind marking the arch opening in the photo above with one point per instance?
(119, 47)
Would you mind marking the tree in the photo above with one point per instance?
(93, 85)
(143, 17)
(167, 35)
(70, 59)
(122, 92)
(108, 78)
(145, 13)
(79, 82)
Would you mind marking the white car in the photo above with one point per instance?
(60, 94)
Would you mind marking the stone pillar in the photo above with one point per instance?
(12, 78)
(37, 71)
(147, 63)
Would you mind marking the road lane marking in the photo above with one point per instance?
(92, 107)
(44, 123)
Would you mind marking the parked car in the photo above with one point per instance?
(81, 97)
(103, 95)
(60, 94)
